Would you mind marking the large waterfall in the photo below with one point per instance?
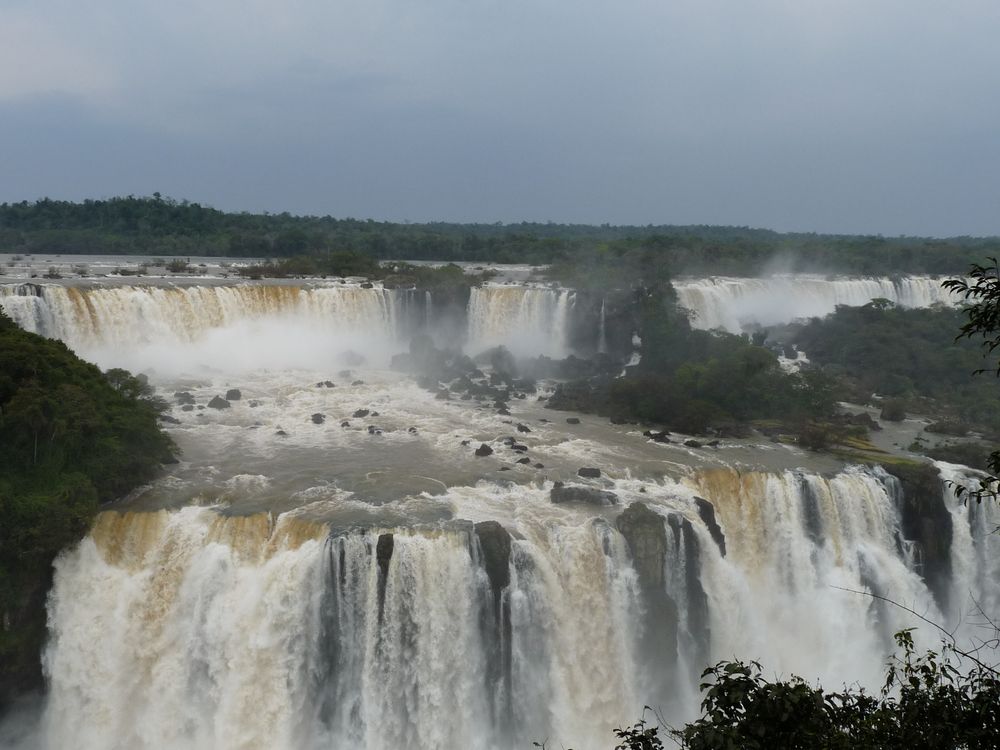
(192, 629)
(732, 303)
(526, 319)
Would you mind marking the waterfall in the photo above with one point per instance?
(192, 629)
(143, 326)
(732, 303)
(527, 320)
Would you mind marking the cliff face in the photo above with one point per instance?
(926, 522)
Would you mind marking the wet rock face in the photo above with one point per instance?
(925, 520)
(706, 511)
(646, 536)
(494, 543)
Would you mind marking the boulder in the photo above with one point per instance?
(218, 402)
(318, 418)
(183, 397)
(561, 493)
(187, 407)
(233, 394)
(572, 420)
(692, 444)
(589, 472)
(361, 413)
(523, 428)
(484, 450)
(524, 460)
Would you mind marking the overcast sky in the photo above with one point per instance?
(871, 116)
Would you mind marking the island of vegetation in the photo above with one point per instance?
(73, 438)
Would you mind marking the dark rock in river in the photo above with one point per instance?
(318, 418)
(692, 444)
(187, 407)
(494, 546)
(361, 413)
(523, 428)
(589, 472)
(524, 460)
(169, 420)
(183, 397)
(561, 493)
(572, 420)
(233, 394)
(218, 403)
(484, 450)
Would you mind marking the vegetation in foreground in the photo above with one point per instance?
(927, 702)
(73, 438)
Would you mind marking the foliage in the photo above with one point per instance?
(73, 438)
(910, 356)
(584, 255)
(935, 700)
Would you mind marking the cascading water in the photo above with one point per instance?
(190, 629)
(144, 326)
(732, 303)
(527, 320)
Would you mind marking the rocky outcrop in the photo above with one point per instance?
(925, 520)
(686, 543)
(494, 547)
(646, 536)
(706, 511)
(561, 493)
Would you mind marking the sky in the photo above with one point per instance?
(854, 116)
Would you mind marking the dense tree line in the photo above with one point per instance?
(73, 438)
(909, 355)
(161, 226)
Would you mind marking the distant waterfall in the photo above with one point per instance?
(527, 320)
(732, 303)
(221, 327)
(190, 629)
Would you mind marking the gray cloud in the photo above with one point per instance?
(827, 115)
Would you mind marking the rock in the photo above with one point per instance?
(345, 423)
(374, 414)
(504, 468)
(367, 285)
(466, 442)
(318, 418)
(692, 444)
(646, 538)
(572, 420)
(712, 444)
(187, 407)
(503, 363)
(170, 420)
(685, 538)
(494, 547)
(281, 433)
(412, 430)
(657, 437)
(361, 413)
(254, 404)
(561, 493)
(357, 382)
(503, 412)
(706, 511)
(218, 402)
(589, 472)
(373, 430)
(524, 460)
(519, 448)
(523, 428)
(539, 466)
(925, 520)
(183, 397)
(484, 450)
(233, 394)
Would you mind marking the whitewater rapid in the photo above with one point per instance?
(314, 572)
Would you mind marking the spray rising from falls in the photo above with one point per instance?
(732, 303)
(189, 629)
(527, 320)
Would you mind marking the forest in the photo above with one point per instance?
(157, 225)
(73, 438)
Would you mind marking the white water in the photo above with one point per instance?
(225, 327)
(734, 303)
(527, 320)
(187, 629)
